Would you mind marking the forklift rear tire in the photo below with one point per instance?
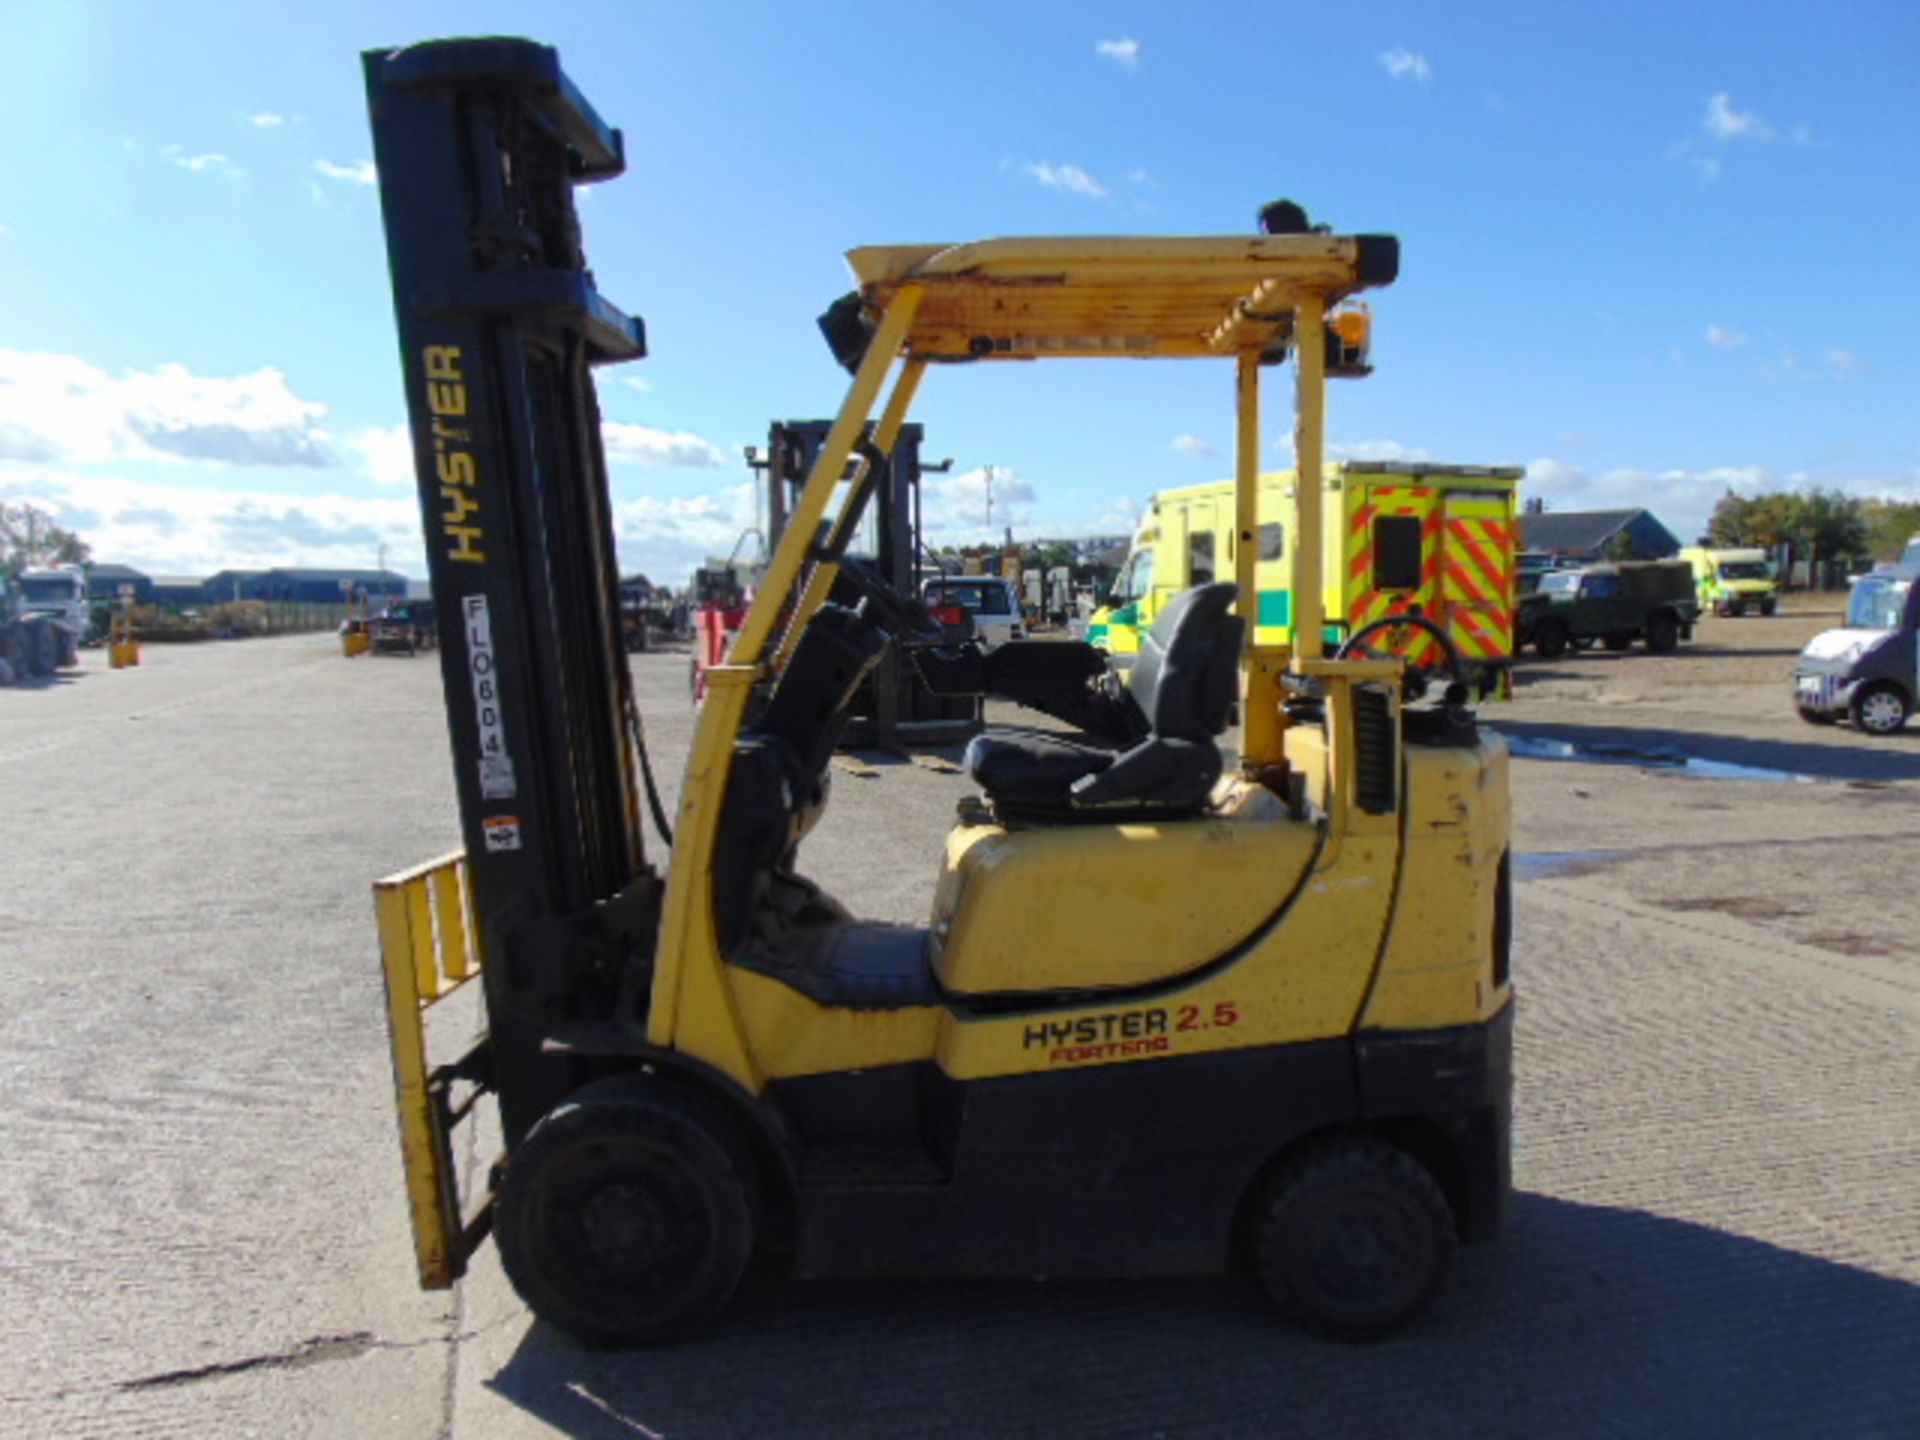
(1355, 1239)
(628, 1214)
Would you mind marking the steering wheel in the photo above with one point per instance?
(897, 612)
(1455, 672)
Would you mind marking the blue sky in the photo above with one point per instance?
(1649, 251)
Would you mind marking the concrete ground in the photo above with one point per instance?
(202, 1230)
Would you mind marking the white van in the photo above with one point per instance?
(990, 602)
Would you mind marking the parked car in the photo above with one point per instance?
(989, 601)
(1865, 671)
(405, 627)
(1650, 600)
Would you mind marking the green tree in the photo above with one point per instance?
(1890, 524)
(1731, 524)
(1825, 525)
(31, 539)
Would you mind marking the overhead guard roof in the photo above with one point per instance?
(1151, 296)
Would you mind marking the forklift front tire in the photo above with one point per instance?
(628, 1214)
(1355, 1238)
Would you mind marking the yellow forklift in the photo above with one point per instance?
(1175, 1009)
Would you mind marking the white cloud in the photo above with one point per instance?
(954, 506)
(667, 538)
(1067, 177)
(1194, 445)
(1125, 51)
(385, 453)
(1723, 122)
(211, 163)
(59, 408)
(265, 120)
(1139, 176)
(632, 382)
(1406, 65)
(675, 449)
(1121, 517)
(1843, 363)
(183, 530)
(360, 172)
(1724, 338)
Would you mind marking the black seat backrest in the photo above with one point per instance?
(1185, 675)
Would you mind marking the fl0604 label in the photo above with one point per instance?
(1119, 1034)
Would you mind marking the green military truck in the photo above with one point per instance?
(1616, 604)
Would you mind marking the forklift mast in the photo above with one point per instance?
(894, 705)
(479, 144)
(793, 446)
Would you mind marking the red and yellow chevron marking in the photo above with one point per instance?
(1466, 582)
(1477, 578)
(1366, 604)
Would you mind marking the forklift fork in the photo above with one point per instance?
(428, 953)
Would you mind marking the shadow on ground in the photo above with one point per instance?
(1583, 1321)
(1841, 753)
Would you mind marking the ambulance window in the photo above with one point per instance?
(1200, 558)
(1273, 540)
(1396, 552)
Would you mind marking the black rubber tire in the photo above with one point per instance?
(1550, 640)
(1880, 709)
(43, 646)
(1618, 640)
(629, 1213)
(1767, 607)
(1355, 1238)
(1816, 717)
(1663, 634)
(16, 651)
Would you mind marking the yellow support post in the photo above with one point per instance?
(1261, 718)
(1310, 357)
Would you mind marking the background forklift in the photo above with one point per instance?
(1168, 1015)
(893, 705)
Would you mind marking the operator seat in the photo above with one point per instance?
(1184, 682)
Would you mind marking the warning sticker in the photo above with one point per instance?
(496, 765)
(503, 832)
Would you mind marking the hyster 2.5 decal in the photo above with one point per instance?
(1116, 1034)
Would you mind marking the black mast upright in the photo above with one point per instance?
(479, 144)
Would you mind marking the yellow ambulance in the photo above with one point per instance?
(1400, 537)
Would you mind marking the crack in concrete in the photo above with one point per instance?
(313, 1350)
